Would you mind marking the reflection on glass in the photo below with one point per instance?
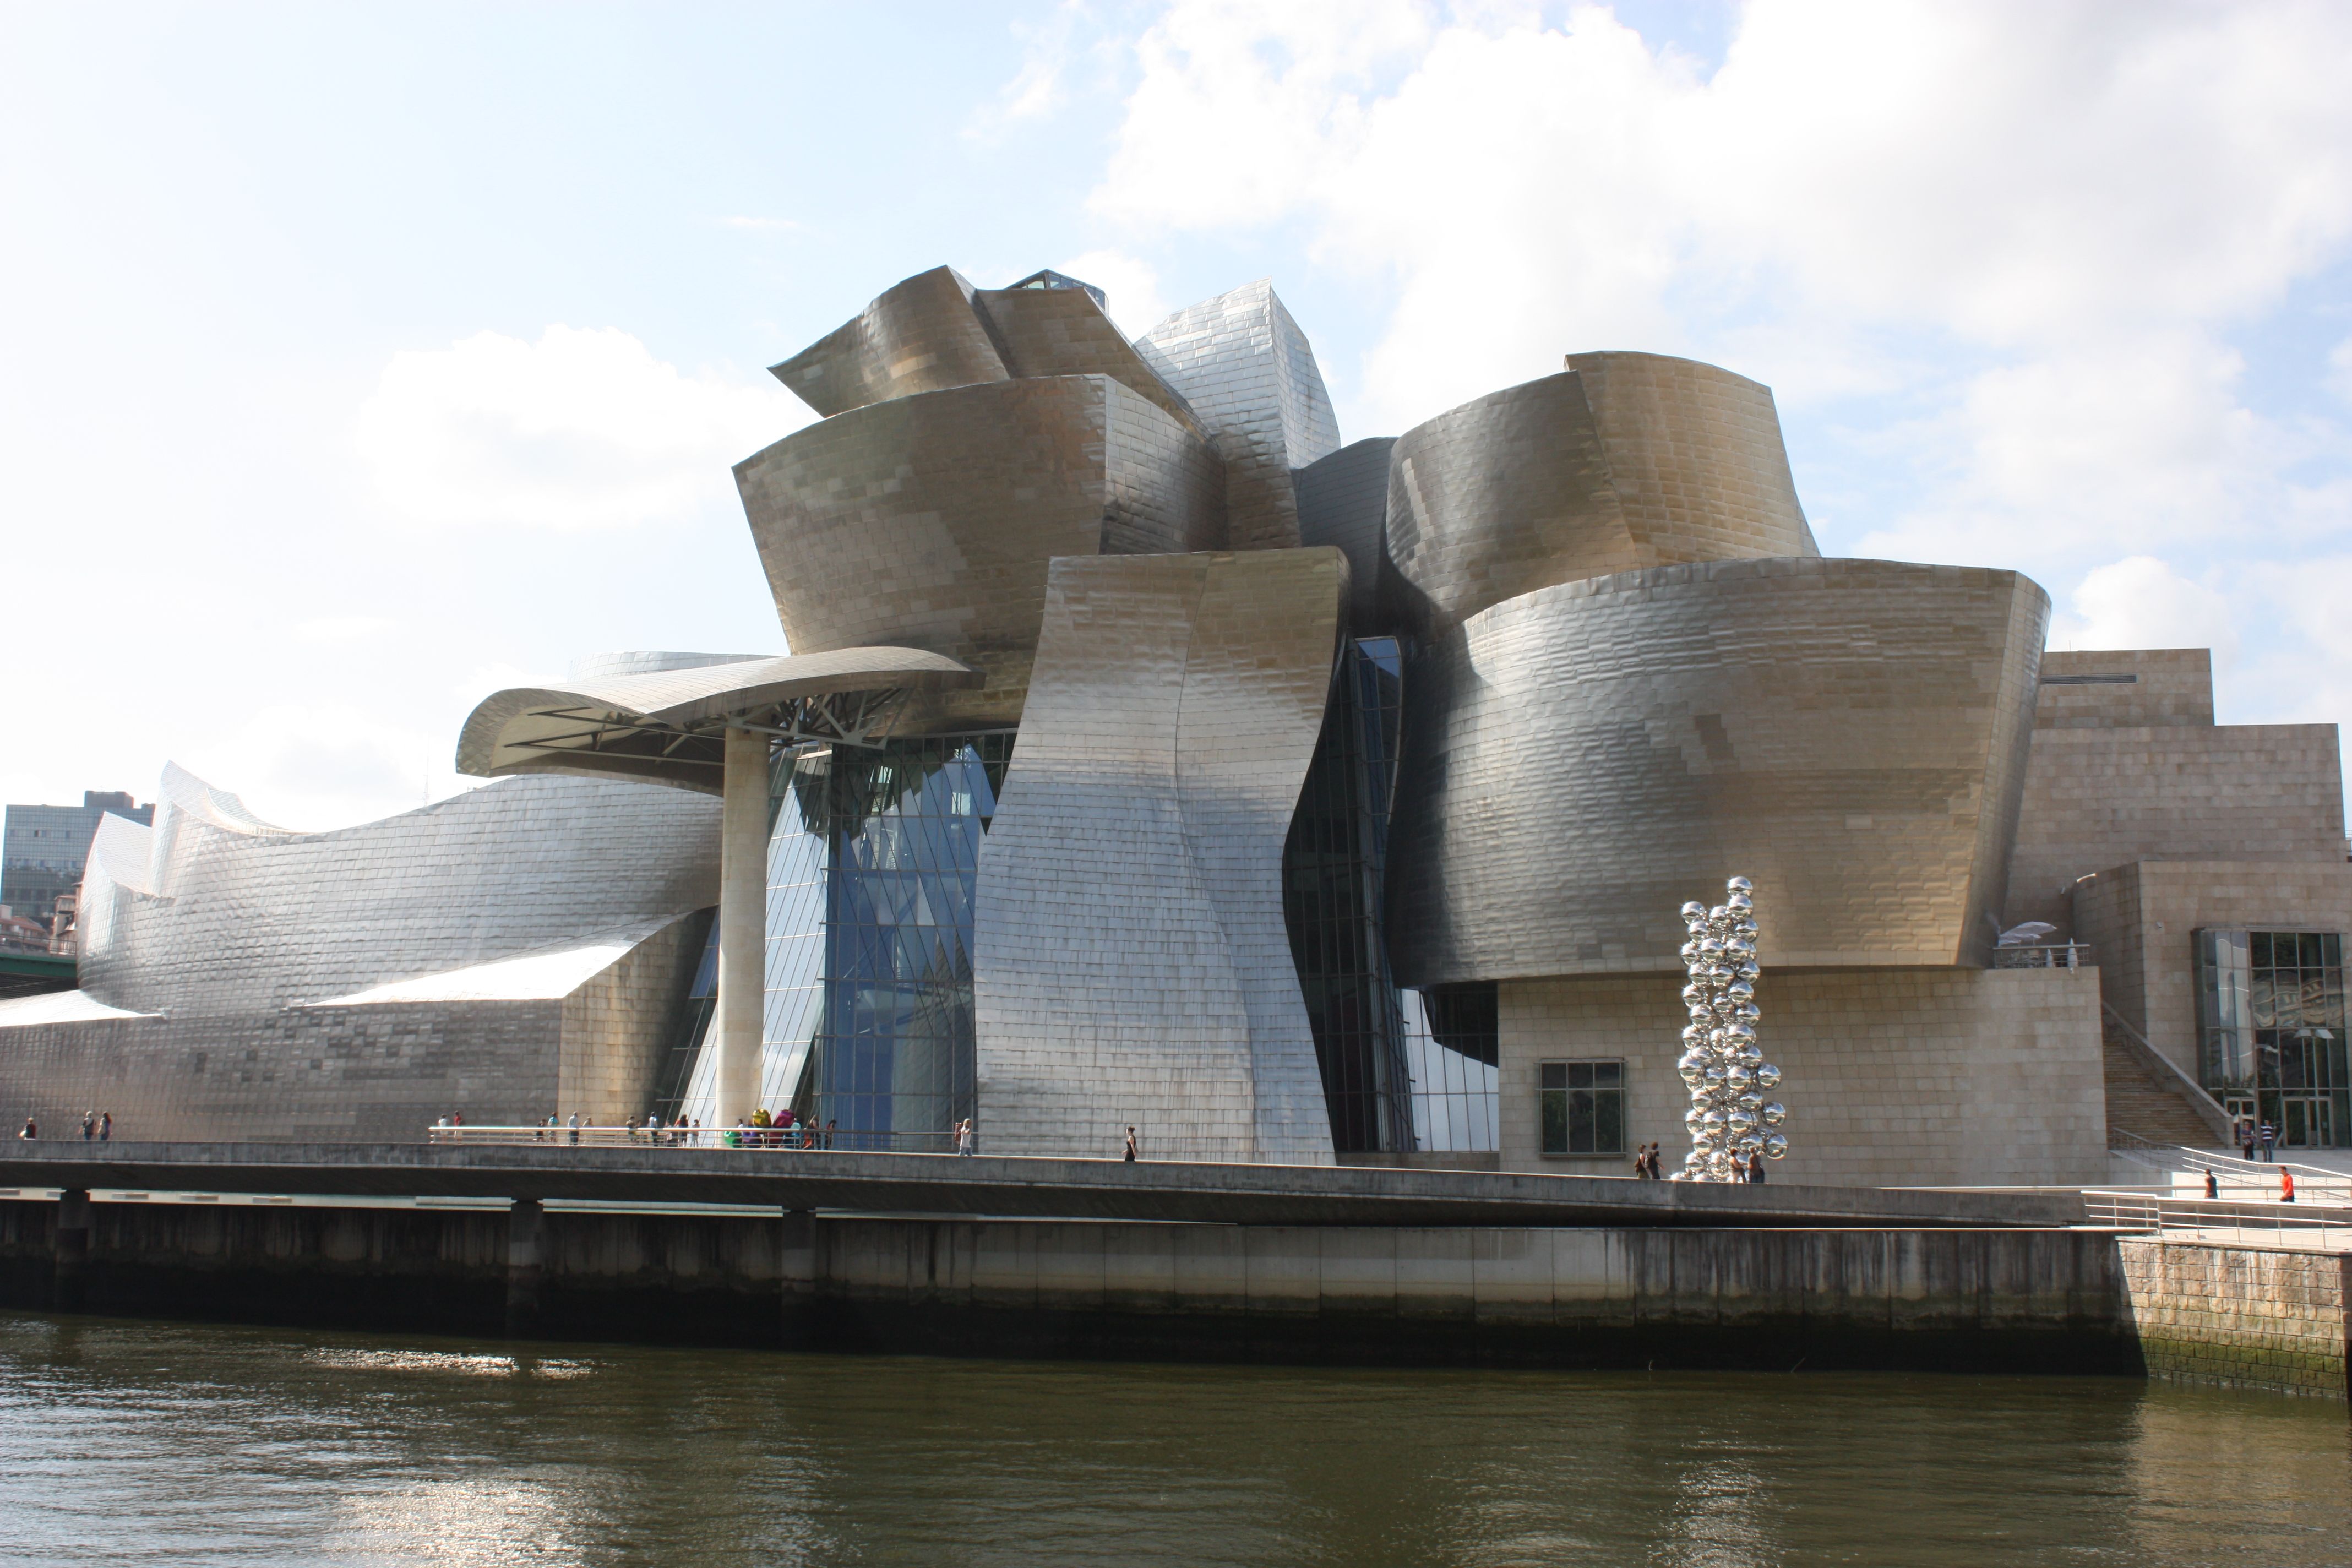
(2272, 1008)
(872, 864)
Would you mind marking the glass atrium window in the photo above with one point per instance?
(2272, 1006)
(1581, 1106)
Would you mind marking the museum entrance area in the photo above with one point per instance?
(2272, 1006)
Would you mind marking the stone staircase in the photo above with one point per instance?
(2142, 1104)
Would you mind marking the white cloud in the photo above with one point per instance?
(313, 766)
(332, 630)
(2036, 218)
(2141, 602)
(1132, 286)
(583, 430)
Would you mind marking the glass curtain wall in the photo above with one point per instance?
(872, 857)
(2273, 1043)
(1392, 1081)
(1333, 864)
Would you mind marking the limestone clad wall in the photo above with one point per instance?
(2101, 797)
(1904, 1077)
(615, 1028)
(2141, 921)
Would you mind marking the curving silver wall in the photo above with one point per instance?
(515, 951)
(1131, 964)
(1245, 367)
(1627, 462)
(929, 521)
(1343, 502)
(1850, 735)
(1062, 331)
(230, 917)
(921, 335)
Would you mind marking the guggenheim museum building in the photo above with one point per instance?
(1143, 755)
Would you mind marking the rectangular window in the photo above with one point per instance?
(2271, 1008)
(1581, 1106)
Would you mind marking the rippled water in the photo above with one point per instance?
(133, 1442)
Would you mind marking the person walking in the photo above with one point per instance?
(2245, 1140)
(30, 1129)
(2287, 1186)
(89, 1126)
(2212, 1187)
(1130, 1156)
(575, 1128)
(963, 1136)
(1756, 1167)
(1642, 1163)
(829, 1125)
(106, 1126)
(2269, 1136)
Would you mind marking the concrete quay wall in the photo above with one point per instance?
(1991, 1299)
(2241, 1317)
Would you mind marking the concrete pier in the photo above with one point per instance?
(1951, 1298)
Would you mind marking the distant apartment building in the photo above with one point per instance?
(44, 847)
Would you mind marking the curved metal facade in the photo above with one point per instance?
(1245, 367)
(1343, 502)
(1850, 735)
(1062, 331)
(1131, 965)
(929, 521)
(231, 916)
(514, 952)
(1628, 461)
(921, 335)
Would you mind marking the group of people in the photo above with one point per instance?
(1646, 1167)
(2254, 1136)
(97, 1126)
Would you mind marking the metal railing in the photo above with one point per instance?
(2043, 955)
(639, 1136)
(2251, 1179)
(2158, 1213)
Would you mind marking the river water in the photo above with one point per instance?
(139, 1442)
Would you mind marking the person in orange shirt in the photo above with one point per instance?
(2287, 1186)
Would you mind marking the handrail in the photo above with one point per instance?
(2232, 1170)
(637, 1135)
(2208, 1108)
(2123, 1210)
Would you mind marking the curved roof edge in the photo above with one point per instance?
(530, 729)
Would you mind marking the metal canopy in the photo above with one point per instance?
(669, 727)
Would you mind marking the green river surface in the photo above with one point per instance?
(125, 1441)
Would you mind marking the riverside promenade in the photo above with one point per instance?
(994, 1256)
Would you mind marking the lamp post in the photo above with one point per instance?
(1729, 1119)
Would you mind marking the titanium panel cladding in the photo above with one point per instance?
(1850, 735)
(1133, 966)
(1062, 331)
(1249, 373)
(1343, 502)
(929, 521)
(921, 335)
(234, 917)
(1538, 484)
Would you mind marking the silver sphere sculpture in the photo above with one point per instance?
(1729, 1120)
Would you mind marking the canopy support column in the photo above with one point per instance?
(742, 923)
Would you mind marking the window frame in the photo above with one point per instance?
(1557, 1095)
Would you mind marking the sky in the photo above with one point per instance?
(356, 361)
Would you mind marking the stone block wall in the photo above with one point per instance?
(2240, 1317)
(2141, 920)
(1916, 1077)
(2097, 798)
